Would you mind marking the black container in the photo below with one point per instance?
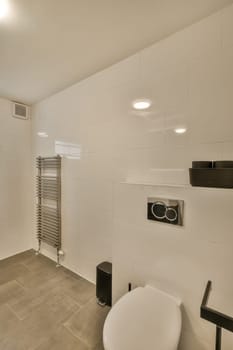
(223, 164)
(202, 164)
(104, 283)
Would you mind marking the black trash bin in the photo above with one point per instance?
(104, 283)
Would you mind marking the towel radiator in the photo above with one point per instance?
(48, 193)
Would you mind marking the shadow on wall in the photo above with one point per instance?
(188, 332)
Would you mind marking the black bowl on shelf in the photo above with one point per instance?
(198, 164)
(223, 164)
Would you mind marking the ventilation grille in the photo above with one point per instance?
(20, 111)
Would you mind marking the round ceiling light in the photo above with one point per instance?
(4, 8)
(141, 104)
(42, 134)
(180, 130)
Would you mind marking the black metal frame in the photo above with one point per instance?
(216, 317)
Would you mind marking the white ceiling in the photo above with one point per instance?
(48, 45)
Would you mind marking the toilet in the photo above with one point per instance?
(143, 319)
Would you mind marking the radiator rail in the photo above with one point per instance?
(48, 193)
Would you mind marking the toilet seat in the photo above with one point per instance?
(144, 319)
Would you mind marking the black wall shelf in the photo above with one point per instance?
(212, 173)
(219, 319)
(211, 177)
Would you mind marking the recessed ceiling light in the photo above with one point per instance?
(180, 130)
(141, 104)
(4, 8)
(42, 134)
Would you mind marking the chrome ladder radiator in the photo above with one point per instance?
(49, 202)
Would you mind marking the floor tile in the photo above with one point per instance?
(87, 323)
(9, 343)
(80, 290)
(8, 321)
(10, 292)
(62, 305)
(18, 258)
(99, 346)
(34, 330)
(34, 278)
(63, 340)
(24, 305)
(39, 262)
(11, 272)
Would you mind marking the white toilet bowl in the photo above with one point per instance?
(144, 319)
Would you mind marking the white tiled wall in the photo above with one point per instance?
(189, 78)
(15, 182)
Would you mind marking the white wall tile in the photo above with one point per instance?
(226, 26)
(15, 182)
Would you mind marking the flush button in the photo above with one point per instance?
(171, 214)
(158, 209)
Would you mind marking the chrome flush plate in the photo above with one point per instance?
(170, 211)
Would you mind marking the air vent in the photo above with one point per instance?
(20, 111)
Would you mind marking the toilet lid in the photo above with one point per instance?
(145, 318)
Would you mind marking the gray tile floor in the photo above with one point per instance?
(46, 308)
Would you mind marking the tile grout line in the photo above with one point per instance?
(12, 310)
(77, 337)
